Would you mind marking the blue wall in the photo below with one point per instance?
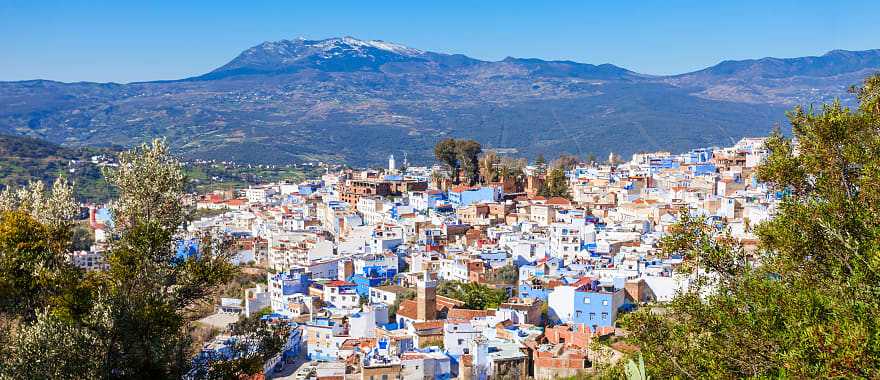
(595, 307)
(467, 197)
(528, 291)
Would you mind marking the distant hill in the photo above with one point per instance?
(25, 159)
(357, 101)
(783, 80)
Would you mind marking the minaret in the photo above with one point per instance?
(426, 298)
(392, 166)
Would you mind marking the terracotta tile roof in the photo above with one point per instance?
(459, 189)
(447, 302)
(558, 201)
(408, 309)
(350, 344)
(582, 281)
(428, 325)
(468, 314)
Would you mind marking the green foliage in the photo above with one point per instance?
(24, 160)
(475, 296)
(508, 275)
(805, 305)
(128, 322)
(29, 264)
(444, 151)
(556, 184)
(258, 343)
(489, 167)
(565, 162)
(82, 237)
(541, 164)
(54, 348)
(460, 156)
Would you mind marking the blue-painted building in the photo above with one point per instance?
(373, 270)
(308, 188)
(463, 196)
(587, 302)
(703, 169)
(698, 155)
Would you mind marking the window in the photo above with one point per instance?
(384, 377)
(587, 300)
(577, 314)
(604, 315)
(605, 303)
(460, 342)
(592, 316)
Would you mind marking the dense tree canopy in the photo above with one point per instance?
(460, 157)
(556, 184)
(474, 295)
(806, 304)
(131, 321)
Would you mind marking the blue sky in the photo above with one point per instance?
(125, 41)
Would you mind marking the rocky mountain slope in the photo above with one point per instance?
(357, 101)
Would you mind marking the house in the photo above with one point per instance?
(494, 359)
(460, 196)
(388, 294)
(521, 310)
(230, 306)
(282, 286)
(458, 335)
(255, 299)
(432, 365)
(428, 333)
(587, 302)
(341, 295)
(323, 336)
(563, 352)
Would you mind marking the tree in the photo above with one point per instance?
(460, 156)
(592, 159)
(150, 287)
(489, 167)
(256, 342)
(541, 164)
(475, 296)
(805, 305)
(556, 185)
(565, 162)
(468, 156)
(34, 238)
(445, 152)
(128, 322)
(512, 168)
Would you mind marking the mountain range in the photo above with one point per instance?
(357, 101)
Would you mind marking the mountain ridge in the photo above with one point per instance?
(296, 100)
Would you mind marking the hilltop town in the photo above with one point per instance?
(401, 273)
